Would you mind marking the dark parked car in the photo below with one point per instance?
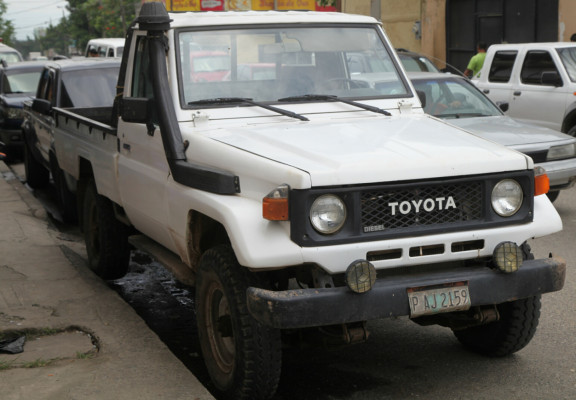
(18, 83)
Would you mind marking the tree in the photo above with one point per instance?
(6, 27)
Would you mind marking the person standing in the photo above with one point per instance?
(477, 61)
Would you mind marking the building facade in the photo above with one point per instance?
(449, 30)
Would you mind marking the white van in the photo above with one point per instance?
(9, 54)
(105, 47)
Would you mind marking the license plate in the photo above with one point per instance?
(429, 300)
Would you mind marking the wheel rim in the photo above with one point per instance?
(219, 329)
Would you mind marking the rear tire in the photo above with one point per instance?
(106, 238)
(242, 356)
(37, 177)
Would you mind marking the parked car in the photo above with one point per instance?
(105, 47)
(414, 62)
(459, 102)
(538, 80)
(82, 83)
(18, 83)
(9, 54)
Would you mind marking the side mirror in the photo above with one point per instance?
(551, 78)
(41, 106)
(422, 97)
(136, 109)
(503, 105)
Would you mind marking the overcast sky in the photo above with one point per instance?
(27, 15)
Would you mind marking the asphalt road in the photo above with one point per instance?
(400, 360)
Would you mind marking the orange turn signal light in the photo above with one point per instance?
(541, 181)
(275, 206)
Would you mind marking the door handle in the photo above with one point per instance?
(517, 93)
(486, 91)
(126, 146)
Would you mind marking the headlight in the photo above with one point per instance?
(507, 197)
(560, 152)
(328, 214)
(14, 113)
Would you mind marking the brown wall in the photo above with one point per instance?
(567, 20)
(401, 18)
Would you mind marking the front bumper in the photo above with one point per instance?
(388, 298)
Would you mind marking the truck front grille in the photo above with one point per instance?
(421, 206)
(410, 209)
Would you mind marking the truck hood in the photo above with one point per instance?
(369, 150)
(509, 132)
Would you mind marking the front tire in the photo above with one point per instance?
(516, 327)
(242, 356)
(66, 199)
(552, 196)
(106, 238)
(512, 332)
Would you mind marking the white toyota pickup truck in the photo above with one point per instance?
(537, 80)
(296, 190)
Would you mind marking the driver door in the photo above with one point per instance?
(142, 166)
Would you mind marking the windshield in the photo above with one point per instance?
(417, 63)
(454, 98)
(568, 57)
(272, 63)
(20, 82)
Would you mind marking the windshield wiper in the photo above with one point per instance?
(242, 100)
(325, 97)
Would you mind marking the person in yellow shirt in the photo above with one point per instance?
(477, 61)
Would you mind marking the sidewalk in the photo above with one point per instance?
(84, 341)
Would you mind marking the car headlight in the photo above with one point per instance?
(561, 152)
(14, 113)
(507, 197)
(328, 214)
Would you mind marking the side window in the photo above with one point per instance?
(44, 78)
(46, 86)
(501, 68)
(535, 63)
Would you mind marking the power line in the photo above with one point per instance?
(33, 9)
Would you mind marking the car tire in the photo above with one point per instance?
(106, 238)
(512, 332)
(242, 356)
(67, 204)
(37, 177)
(552, 196)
